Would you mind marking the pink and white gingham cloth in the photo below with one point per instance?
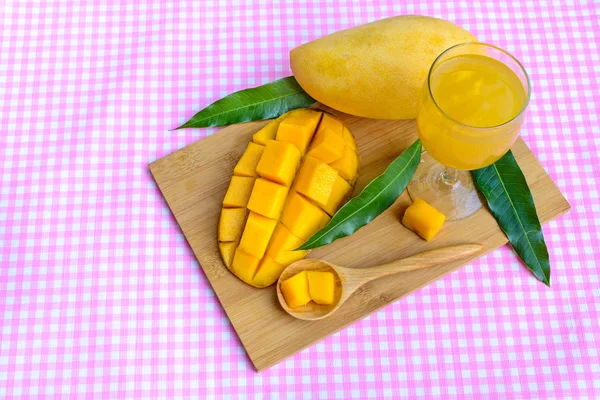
(101, 297)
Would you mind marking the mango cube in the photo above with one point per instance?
(282, 246)
(231, 224)
(423, 219)
(257, 234)
(268, 272)
(302, 217)
(299, 128)
(327, 146)
(279, 162)
(227, 250)
(315, 180)
(239, 191)
(329, 122)
(347, 164)
(267, 133)
(321, 286)
(246, 166)
(341, 189)
(295, 290)
(267, 198)
(348, 138)
(244, 265)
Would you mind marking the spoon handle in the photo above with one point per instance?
(418, 261)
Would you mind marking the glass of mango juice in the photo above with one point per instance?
(470, 111)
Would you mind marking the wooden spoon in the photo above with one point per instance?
(348, 280)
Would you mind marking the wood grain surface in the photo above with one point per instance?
(194, 180)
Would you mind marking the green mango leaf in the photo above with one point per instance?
(262, 102)
(375, 198)
(509, 198)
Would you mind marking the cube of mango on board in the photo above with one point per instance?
(257, 234)
(244, 265)
(327, 146)
(302, 217)
(341, 189)
(239, 191)
(227, 250)
(231, 223)
(268, 132)
(315, 180)
(299, 128)
(423, 219)
(295, 290)
(279, 162)
(347, 164)
(268, 272)
(282, 246)
(321, 286)
(246, 166)
(267, 198)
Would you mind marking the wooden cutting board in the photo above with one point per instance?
(194, 180)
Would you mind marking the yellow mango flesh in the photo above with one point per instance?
(347, 165)
(302, 217)
(375, 70)
(268, 272)
(282, 246)
(327, 146)
(279, 162)
(299, 128)
(238, 192)
(246, 166)
(256, 234)
(267, 133)
(231, 224)
(329, 122)
(349, 139)
(227, 250)
(244, 265)
(321, 287)
(264, 216)
(423, 219)
(295, 290)
(315, 180)
(341, 189)
(267, 198)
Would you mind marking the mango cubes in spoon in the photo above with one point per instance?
(295, 290)
(321, 287)
(318, 286)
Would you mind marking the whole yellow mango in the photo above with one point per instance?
(375, 70)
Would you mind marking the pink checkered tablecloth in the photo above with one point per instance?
(101, 297)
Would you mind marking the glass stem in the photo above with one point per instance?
(450, 176)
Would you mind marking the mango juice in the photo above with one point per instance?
(470, 111)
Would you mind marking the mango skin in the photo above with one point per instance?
(375, 70)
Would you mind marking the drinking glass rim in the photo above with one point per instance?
(485, 45)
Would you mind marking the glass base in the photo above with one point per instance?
(456, 200)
